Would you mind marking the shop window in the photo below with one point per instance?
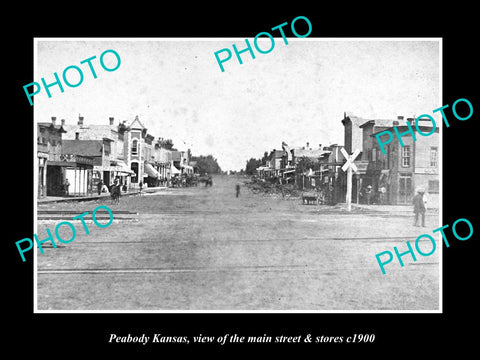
(433, 186)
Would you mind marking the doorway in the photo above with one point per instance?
(405, 189)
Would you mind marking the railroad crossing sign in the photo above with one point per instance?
(350, 159)
(349, 166)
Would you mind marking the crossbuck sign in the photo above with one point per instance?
(348, 167)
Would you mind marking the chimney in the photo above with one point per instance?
(400, 118)
(111, 120)
(63, 122)
(80, 120)
(54, 119)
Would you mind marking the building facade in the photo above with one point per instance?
(402, 170)
(394, 176)
(51, 174)
(111, 166)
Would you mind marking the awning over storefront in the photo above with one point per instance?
(116, 166)
(124, 168)
(174, 170)
(149, 169)
(188, 167)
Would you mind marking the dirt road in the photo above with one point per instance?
(205, 249)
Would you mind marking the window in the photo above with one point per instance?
(135, 147)
(106, 148)
(433, 156)
(406, 156)
(433, 186)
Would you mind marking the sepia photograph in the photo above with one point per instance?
(226, 175)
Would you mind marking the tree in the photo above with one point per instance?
(207, 164)
(303, 164)
(166, 144)
(252, 165)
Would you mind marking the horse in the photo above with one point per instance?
(209, 182)
(115, 193)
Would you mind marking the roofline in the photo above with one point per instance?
(50, 125)
(404, 127)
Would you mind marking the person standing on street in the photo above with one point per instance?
(67, 185)
(419, 207)
(369, 194)
(99, 186)
(237, 190)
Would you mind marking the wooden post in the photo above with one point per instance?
(349, 167)
(349, 189)
(359, 186)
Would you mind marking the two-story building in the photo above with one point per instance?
(51, 176)
(332, 178)
(185, 166)
(139, 156)
(402, 170)
(162, 160)
(110, 138)
(394, 176)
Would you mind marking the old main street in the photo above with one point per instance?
(204, 249)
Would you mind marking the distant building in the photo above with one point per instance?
(176, 161)
(276, 162)
(185, 166)
(163, 161)
(353, 134)
(331, 173)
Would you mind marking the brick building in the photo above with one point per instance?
(402, 169)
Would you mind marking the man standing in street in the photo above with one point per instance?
(237, 189)
(419, 206)
(99, 186)
(67, 185)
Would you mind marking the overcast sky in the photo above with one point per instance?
(297, 93)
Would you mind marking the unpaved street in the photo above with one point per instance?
(204, 249)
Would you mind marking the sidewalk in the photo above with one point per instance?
(392, 209)
(50, 199)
